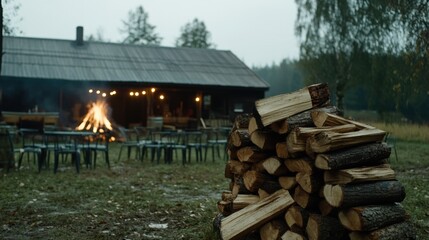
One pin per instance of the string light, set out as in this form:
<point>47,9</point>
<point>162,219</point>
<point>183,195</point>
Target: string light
<point>161,97</point>
<point>197,99</point>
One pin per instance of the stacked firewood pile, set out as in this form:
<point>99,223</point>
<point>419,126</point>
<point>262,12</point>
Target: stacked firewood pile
<point>298,170</point>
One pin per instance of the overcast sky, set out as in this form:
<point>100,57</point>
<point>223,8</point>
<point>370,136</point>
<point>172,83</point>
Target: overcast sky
<point>259,32</point>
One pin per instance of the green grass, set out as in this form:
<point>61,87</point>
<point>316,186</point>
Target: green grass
<point>126,201</point>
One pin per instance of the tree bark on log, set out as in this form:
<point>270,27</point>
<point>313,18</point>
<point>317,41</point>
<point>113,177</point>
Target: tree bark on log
<point>242,120</point>
<point>252,154</point>
<point>324,228</point>
<point>380,192</point>
<point>272,109</point>
<point>254,180</point>
<point>362,174</point>
<point>235,167</point>
<point>326,209</point>
<point>250,218</point>
<point>368,154</point>
<point>369,218</point>
<point>403,231</point>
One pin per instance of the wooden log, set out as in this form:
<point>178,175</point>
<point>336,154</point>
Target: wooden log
<point>254,180</point>
<point>368,154</point>
<point>252,154</point>
<point>295,144</point>
<point>253,125</point>
<point>240,138</point>
<point>303,164</point>
<point>232,153</point>
<point>361,174</point>
<point>322,119</point>
<point>326,209</point>
<point>289,235</point>
<point>235,167</point>
<point>265,139</point>
<point>238,186</point>
<point>275,166</point>
<point>380,192</point>
<point>324,228</point>
<point>225,207</point>
<point>273,229</point>
<point>330,141</point>
<point>262,193</point>
<point>305,132</point>
<point>281,150</point>
<point>305,199</point>
<point>250,218</point>
<point>287,182</point>
<point>302,119</point>
<point>272,109</point>
<point>310,182</point>
<point>403,231</point>
<point>369,218</point>
<point>296,217</point>
<point>242,120</point>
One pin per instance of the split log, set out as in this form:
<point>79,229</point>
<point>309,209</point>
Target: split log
<point>274,166</point>
<point>232,153</point>
<point>281,150</point>
<point>326,209</point>
<point>295,144</point>
<point>306,200</point>
<point>296,217</point>
<point>330,141</point>
<point>303,164</point>
<point>302,119</point>
<point>254,180</point>
<point>265,139</point>
<point>252,154</point>
<point>262,193</point>
<point>362,174</point>
<point>305,132</point>
<point>310,182</point>
<point>368,154</point>
<point>272,230</point>
<point>289,235</point>
<point>238,186</point>
<point>324,228</point>
<point>225,207</point>
<point>287,182</point>
<point>240,138</point>
<point>369,218</point>
<point>272,109</point>
<point>235,167</point>
<point>253,125</point>
<point>321,119</point>
<point>404,231</point>
<point>242,120</point>
<point>380,192</point>
<point>250,218</point>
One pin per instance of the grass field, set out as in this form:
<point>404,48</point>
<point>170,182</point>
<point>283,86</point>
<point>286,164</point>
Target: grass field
<point>144,200</point>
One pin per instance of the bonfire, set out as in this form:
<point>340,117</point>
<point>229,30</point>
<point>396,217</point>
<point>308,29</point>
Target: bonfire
<point>97,118</point>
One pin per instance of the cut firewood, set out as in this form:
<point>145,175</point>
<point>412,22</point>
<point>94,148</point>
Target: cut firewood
<point>326,209</point>
<point>330,141</point>
<point>362,174</point>
<point>324,228</point>
<point>265,139</point>
<point>281,150</point>
<point>254,180</point>
<point>287,182</point>
<point>369,218</point>
<point>235,167</point>
<point>302,119</point>
<point>250,218</point>
<point>252,154</point>
<point>295,144</point>
<point>296,217</point>
<point>380,192</point>
<point>240,138</point>
<point>289,235</point>
<point>303,164</point>
<point>262,193</point>
<point>238,186</point>
<point>310,182</point>
<point>305,132</point>
<point>322,119</point>
<point>225,207</point>
<point>274,166</point>
<point>403,230</point>
<point>273,229</point>
<point>253,125</point>
<point>305,199</point>
<point>368,154</point>
<point>232,153</point>
<point>242,120</point>
<point>272,109</point>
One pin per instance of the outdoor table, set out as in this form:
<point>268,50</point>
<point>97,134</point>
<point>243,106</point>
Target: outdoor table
<point>76,137</point>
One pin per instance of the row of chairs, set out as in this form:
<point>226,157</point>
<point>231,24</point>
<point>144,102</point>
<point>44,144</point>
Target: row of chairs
<point>146,141</point>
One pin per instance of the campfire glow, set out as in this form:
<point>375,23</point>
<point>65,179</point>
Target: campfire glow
<point>96,118</point>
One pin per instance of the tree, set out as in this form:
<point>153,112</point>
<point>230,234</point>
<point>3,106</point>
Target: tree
<point>138,29</point>
<point>9,17</point>
<point>195,35</point>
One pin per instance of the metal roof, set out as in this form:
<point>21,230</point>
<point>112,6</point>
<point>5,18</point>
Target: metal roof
<point>113,62</point>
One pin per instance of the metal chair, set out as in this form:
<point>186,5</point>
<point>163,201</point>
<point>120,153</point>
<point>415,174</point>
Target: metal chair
<point>129,140</point>
<point>7,157</point>
<point>216,139</point>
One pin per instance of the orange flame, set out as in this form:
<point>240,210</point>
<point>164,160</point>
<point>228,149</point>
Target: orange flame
<point>96,118</point>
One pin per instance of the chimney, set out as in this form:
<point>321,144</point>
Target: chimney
<point>79,35</point>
